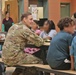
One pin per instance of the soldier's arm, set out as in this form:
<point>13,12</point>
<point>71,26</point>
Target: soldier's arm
<point>32,37</point>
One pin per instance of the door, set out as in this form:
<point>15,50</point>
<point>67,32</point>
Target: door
<point>65,10</point>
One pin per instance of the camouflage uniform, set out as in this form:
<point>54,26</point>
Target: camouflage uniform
<point>16,39</point>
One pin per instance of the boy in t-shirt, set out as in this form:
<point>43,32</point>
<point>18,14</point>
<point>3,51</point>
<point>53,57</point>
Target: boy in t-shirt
<point>58,53</point>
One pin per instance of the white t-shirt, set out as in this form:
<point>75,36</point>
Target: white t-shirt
<point>51,34</point>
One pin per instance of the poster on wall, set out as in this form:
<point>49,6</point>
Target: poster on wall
<point>34,11</point>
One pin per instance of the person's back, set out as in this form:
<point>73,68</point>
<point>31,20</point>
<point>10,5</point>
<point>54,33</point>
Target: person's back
<point>58,52</point>
<point>58,49</point>
<point>74,18</point>
<point>12,39</point>
<point>73,54</point>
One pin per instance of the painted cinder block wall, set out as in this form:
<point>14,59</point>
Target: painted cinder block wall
<point>73,6</point>
<point>54,9</point>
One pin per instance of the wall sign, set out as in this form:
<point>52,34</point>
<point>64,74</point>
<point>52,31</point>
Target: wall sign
<point>34,11</point>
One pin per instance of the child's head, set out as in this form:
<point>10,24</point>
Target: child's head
<point>35,25</point>
<point>48,25</point>
<point>66,24</point>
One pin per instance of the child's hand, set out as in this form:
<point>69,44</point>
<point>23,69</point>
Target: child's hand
<point>38,32</point>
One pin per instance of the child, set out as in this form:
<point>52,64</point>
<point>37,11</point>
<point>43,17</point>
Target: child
<point>49,30</point>
<point>35,27</point>
<point>74,18</point>
<point>73,54</point>
<point>58,53</point>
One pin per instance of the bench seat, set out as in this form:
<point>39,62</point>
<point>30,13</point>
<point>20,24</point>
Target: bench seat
<point>46,68</point>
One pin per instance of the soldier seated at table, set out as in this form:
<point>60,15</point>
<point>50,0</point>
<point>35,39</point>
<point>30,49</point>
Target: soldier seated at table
<point>17,38</point>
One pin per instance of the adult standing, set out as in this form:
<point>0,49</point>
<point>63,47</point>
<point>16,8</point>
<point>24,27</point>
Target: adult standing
<point>7,22</point>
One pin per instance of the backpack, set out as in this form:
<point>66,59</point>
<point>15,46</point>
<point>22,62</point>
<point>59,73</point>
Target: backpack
<point>2,68</point>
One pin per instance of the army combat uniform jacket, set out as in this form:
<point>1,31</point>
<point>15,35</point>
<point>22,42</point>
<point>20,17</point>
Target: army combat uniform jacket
<point>16,39</point>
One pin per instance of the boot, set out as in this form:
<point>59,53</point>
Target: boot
<point>17,71</point>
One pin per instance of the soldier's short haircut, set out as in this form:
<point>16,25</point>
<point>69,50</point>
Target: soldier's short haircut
<point>25,15</point>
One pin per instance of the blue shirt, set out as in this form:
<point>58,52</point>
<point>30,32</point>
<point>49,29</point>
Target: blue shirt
<point>59,49</point>
<point>73,50</point>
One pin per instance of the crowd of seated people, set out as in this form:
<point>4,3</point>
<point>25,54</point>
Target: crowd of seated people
<point>61,54</point>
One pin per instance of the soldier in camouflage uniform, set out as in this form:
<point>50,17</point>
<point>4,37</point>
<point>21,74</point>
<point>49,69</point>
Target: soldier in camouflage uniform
<point>16,39</point>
